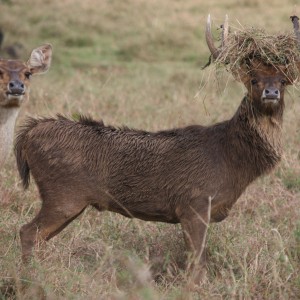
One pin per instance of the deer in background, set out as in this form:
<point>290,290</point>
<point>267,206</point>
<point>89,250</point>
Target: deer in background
<point>13,51</point>
<point>14,91</point>
<point>191,175</point>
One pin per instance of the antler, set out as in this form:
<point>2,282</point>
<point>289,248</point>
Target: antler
<point>215,52</point>
<point>295,21</point>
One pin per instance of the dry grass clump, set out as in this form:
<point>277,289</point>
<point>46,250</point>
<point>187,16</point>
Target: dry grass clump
<point>247,44</point>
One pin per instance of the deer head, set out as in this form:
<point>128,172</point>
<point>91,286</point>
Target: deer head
<point>14,90</point>
<point>265,82</point>
<point>15,76</point>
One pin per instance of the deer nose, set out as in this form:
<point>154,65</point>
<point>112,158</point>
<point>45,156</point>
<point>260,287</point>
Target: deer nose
<point>16,87</point>
<point>271,93</point>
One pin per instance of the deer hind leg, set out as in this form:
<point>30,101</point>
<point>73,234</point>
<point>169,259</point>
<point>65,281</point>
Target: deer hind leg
<point>49,222</point>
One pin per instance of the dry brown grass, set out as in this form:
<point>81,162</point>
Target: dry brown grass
<point>138,63</point>
<point>246,44</point>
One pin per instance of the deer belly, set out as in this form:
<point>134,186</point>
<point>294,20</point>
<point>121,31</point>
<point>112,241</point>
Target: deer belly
<point>144,212</point>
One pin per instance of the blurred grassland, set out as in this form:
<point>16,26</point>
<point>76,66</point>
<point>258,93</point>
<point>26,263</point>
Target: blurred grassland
<point>138,63</point>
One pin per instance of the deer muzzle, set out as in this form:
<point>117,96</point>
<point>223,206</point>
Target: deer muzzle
<point>270,95</point>
<point>16,88</point>
<point>15,92</point>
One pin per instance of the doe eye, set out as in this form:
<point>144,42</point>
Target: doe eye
<point>28,75</point>
<point>254,81</point>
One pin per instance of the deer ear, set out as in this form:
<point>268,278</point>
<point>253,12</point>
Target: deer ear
<point>40,59</point>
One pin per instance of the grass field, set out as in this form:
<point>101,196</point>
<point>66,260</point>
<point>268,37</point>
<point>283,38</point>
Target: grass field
<point>138,63</point>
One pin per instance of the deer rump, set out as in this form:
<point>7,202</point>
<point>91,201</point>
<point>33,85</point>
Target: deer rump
<point>151,176</point>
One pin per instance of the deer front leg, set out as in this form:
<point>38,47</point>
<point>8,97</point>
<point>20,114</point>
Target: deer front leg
<point>195,231</point>
<point>195,225</point>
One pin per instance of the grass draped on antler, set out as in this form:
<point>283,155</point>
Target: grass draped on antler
<point>253,43</point>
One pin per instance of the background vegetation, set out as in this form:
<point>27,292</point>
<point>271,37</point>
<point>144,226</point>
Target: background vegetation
<point>139,63</point>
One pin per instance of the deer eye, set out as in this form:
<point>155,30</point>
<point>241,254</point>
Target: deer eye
<point>1,74</point>
<point>28,75</point>
<point>283,82</point>
<point>254,81</point>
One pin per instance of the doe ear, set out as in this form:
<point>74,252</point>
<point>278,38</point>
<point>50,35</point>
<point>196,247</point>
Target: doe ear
<point>40,59</point>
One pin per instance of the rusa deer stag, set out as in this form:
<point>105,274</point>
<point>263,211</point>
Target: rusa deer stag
<point>191,175</point>
<point>14,91</point>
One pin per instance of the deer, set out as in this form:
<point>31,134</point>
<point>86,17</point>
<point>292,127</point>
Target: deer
<point>13,51</point>
<point>14,91</point>
<point>191,175</point>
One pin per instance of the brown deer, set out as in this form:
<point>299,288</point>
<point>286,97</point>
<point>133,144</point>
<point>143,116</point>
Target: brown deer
<point>13,51</point>
<point>191,175</point>
<point>14,91</point>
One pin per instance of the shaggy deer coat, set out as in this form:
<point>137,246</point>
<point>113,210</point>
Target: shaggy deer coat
<point>167,176</point>
<point>190,175</point>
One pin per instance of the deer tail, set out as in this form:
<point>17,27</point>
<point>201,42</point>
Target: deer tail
<point>20,150</point>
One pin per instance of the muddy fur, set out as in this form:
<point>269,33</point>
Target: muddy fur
<point>169,176</point>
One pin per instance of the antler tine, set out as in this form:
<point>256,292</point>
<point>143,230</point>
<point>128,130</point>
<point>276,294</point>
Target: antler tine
<point>225,31</point>
<point>295,21</point>
<point>209,39</point>
<point>215,52</point>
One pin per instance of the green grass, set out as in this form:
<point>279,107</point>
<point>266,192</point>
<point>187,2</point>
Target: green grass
<point>138,63</point>
<point>292,181</point>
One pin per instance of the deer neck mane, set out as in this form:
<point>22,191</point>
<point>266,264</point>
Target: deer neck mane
<point>256,139</point>
<point>267,127</point>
